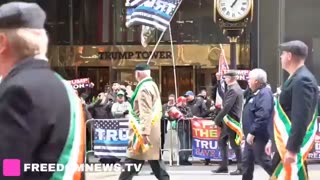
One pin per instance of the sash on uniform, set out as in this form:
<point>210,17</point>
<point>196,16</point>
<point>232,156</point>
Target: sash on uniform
<point>235,126</point>
<point>282,130</point>
<point>74,150</point>
<point>137,143</point>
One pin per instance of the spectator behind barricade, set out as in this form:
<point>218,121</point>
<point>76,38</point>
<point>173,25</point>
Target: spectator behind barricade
<point>207,100</point>
<point>115,89</point>
<point>103,109</point>
<point>197,105</point>
<point>210,109</point>
<point>183,107</point>
<point>126,88</point>
<point>85,106</point>
<point>120,109</point>
<point>165,117</point>
<point>129,92</point>
<point>210,104</point>
<point>180,113</point>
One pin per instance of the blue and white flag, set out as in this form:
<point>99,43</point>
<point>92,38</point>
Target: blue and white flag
<point>111,138</point>
<point>153,13</point>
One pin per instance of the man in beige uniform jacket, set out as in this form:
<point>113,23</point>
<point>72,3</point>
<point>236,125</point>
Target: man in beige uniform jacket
<point>145,119</point>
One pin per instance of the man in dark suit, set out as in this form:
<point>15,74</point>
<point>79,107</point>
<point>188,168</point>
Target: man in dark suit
<point>41,117</point>
<point>231,112</point>
<point>298,100</point>
<point>257,114</point>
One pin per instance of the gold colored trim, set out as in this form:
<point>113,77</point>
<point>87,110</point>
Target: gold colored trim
<point>160,79</point>
<point>233,39</point>
<point>237,19</point>
<point>215,11</point>
<point>225,30</point>
<point>252,11</point>
<point>132,68</point>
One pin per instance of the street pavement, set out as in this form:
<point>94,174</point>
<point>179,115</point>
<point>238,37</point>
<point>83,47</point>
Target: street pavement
<point>195,172</point>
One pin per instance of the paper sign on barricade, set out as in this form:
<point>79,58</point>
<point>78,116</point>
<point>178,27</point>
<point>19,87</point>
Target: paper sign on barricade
<point>205,136</point>
<point>111,137</point>
<point>315,153</point>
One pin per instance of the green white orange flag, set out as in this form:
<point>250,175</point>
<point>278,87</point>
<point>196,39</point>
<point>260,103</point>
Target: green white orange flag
<point>282,129</point>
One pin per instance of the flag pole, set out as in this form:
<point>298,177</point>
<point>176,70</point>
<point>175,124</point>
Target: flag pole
<point>155,47</point>
<point>173,63</point>
<point>162,34</point>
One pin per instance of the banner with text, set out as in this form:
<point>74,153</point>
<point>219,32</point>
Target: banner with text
<point>315,153</point>
<point>80,83</point>
<point>110,137</point>
<point>242,74</point>
<point>205,138</point>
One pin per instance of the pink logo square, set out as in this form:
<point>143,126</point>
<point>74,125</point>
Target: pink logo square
<point>11,167</point>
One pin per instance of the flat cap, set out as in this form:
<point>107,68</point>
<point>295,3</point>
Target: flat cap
<point>231,73</point>
<point>22,15</point>
<point>296,47</point>
<point>142,67</point>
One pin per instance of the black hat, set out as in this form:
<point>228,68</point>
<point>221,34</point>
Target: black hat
<point>142,67</point>
<point>231,73</point>
<point>296,47</point>
<point>22,15</point>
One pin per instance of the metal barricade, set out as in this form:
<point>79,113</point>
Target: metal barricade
<point>184,139</point>
<point>90,129</point>
<point>166,142</point>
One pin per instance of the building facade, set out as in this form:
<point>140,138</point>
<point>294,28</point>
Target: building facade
<point>284,20</point>
<point>89,39</point>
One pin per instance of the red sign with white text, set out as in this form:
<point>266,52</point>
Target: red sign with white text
<point>80,83</point>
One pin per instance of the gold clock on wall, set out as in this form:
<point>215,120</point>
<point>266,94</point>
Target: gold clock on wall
<point>233,10</point>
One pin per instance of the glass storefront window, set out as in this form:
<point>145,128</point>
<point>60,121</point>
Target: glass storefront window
<point>128,76</point>
<point>98,75</point>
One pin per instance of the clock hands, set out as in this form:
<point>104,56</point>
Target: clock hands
<point>234,3</point>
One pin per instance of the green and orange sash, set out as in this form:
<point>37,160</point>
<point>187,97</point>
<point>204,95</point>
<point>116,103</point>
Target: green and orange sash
<point>282,130</point>
<point>74,150</point>
<point>235,126</point>
<point>137,143</point>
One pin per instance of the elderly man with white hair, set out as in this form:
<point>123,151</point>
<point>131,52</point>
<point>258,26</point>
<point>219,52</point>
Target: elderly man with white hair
<point>257,115</point>
<point>41,117</point>
<point>144,131</point>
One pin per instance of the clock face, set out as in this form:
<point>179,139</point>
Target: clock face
<point>233,10</point>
